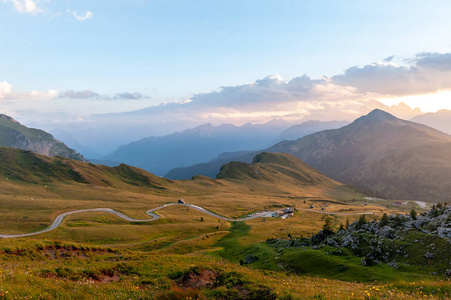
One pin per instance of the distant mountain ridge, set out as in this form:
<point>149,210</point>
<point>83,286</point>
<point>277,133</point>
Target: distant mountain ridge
<point>15,135</point>
<point>158,155</point>
<point>440,120</point>
<point>298,131</point>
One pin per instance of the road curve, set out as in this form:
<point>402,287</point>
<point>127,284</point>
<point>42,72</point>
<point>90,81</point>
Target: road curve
<point>59,219</point>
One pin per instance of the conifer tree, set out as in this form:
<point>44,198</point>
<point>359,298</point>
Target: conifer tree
<point>384,220</point>
<point>327,228</point>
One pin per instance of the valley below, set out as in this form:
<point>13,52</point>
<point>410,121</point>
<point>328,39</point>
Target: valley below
<point>233,238</point>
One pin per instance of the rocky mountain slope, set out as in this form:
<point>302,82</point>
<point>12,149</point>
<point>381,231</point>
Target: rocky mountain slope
<point>408,243</point>
<point>401,159</point>
<point>15,135</point>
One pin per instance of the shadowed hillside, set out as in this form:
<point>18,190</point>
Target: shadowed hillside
<point>24,166</point>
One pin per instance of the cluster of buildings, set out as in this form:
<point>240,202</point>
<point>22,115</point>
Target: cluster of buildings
<point>284,213</point>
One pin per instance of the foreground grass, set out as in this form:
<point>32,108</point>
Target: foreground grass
<point>54,270</point>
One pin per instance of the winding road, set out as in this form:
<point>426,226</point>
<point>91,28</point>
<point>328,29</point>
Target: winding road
<point>59,219</point>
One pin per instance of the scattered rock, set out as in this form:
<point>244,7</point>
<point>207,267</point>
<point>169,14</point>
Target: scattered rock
<point>251,258</point>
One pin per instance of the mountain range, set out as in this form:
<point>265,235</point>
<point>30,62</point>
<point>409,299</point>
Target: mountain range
<point>440,120</point>
<point>297,131</point>
<point>401,159</point>
<point>15,135</point>
<point>158,155</point>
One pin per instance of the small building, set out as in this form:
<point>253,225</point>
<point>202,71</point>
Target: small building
<point>181,201</point>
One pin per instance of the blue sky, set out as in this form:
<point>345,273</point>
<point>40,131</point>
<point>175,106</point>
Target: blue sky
<point>62,61</point>
<point>173,49</point>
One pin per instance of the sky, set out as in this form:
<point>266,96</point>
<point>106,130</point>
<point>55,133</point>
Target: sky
<point>71,64</point>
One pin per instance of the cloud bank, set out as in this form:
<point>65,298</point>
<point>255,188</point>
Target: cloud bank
<point>345,96</point>
<point>88,94</point>
<point>7,93</point>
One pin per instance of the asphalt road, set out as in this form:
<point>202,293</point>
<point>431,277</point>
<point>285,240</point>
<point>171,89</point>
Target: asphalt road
<point>154,216</point>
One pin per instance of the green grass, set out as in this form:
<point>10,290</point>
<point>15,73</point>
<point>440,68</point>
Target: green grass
<point>56,270</point>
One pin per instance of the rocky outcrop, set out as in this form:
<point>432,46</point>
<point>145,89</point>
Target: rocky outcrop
<point>15,135</point>
<point>395,240</point>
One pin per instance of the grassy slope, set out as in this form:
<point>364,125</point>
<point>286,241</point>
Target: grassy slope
<point>28,207</point>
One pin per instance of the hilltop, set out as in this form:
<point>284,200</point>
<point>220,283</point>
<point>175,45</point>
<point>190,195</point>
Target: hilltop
<point>15,135</point>
<point>275,168</point>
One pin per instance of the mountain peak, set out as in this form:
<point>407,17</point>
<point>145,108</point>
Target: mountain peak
<point>5,117</point>
<point>379,115</point>
<point>375,116</point>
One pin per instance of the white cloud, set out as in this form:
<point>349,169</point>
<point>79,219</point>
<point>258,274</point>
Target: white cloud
<point>425,73</point>
<point>25,6</point>
<point>81,18</point>
<point>5,89</point>
<point>7,93</point>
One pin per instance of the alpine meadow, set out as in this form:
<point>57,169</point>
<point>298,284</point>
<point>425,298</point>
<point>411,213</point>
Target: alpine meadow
<point>225,149</point>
